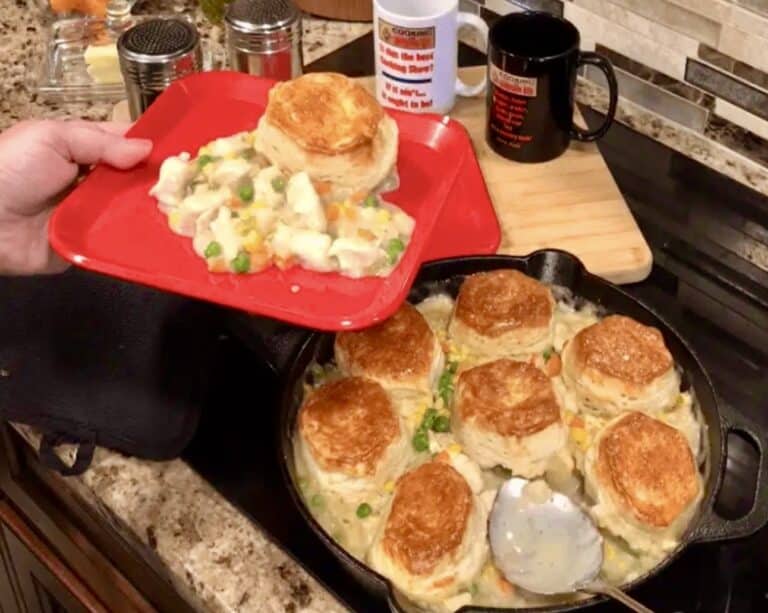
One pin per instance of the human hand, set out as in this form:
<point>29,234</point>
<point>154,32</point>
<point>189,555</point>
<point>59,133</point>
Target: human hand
<point>39,161</point>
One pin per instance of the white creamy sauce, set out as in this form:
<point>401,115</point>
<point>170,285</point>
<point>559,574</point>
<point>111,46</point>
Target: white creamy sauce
<point>620,564</point>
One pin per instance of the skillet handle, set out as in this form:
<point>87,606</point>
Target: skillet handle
<point>274,342</point>
<point>712,527</point>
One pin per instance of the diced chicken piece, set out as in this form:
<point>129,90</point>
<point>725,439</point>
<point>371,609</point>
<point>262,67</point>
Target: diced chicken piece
<point>175,174</point>
<point>356,256</point>
<point>224,233</point>
<point>454,603</point>
<point>304,203</point>
<point>228,146</point>
<point>229,172</point>
<point>264,191</point>
<point>204,198</point>
<point>310,247</point>
<point>402,222</point>
<point>265,219</point>
<point>203,233</point>
<point>469,470</point>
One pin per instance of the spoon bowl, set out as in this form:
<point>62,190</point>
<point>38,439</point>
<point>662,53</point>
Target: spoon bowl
<point>543,542</point>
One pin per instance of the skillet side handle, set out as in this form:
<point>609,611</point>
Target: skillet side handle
<point>712,527</point>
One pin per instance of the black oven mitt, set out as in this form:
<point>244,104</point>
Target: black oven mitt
<point>93,361</point>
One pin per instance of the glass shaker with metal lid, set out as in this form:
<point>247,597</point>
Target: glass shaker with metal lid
<point>264,38</point>
<point>153,54</point>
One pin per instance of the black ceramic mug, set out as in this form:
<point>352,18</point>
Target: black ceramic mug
<point>532,62</point>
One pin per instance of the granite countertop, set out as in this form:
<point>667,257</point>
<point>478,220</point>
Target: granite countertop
<point>213,555</point>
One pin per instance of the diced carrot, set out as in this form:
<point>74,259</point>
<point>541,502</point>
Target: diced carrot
<point>577,422</point>
<point>322,187</point>
<point>260,260</point>
<point>218,266</point>
<point>554,365</point>
<point>285,263</point>
<point>332,211</point>
<point>505,586</point>
<point>350,212</point>
<point>235,203</point>
<point>444,582</point>
<point>366,234</point>
<point>358,197</point>
<point>443,457</point>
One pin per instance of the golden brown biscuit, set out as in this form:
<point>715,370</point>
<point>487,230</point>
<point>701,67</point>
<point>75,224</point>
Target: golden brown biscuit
<point>619,364</point>
<point>506,413</point>
<point>623,348</point>
<point>401,353</point>
<point>325,112</point>
<point>348,426</point>
<point>649,467</point>
<point>429,513</point>
<point>508,397</point>
<point>502,313</point>
<point>643,478</point>
<point>330,127</point>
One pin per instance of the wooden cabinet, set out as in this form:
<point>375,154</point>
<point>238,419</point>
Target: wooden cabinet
<point>57,555</point>
<point>43,583</point>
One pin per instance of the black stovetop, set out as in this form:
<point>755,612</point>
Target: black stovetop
<point>709,237</point>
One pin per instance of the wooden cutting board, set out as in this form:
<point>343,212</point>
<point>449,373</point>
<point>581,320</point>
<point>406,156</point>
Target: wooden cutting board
<point>571,203</point>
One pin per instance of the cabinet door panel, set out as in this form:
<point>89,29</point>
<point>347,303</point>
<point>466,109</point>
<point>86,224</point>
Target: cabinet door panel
<point>45,584</point>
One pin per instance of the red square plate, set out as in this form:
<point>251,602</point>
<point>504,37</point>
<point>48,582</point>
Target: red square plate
<point>111,225</point>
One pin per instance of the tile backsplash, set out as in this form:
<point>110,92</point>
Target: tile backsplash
<point>702,64</point>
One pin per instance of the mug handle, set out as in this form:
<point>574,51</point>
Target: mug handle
<point>477,23</point>
<point>594,59</point>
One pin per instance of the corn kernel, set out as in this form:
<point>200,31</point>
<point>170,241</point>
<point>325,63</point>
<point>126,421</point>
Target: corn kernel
<point>231,155</point>
<point>250,137</point>
<point>454,449</point>
<point>580,437</point>
<point>383,216</point>
<point>389,487</point>
<point>608,551</point>
<point>174,218</point>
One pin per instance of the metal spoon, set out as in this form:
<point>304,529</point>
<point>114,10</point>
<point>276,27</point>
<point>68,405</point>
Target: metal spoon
<point>544,543</point>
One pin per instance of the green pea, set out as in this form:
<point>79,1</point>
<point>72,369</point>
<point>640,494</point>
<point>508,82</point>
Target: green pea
<point>212,250</point>
<point>371,201</point>
<point>473,589</point>
<point>242,263</point>
<point>442,424</point>
<point>453,367</point>
<point>420,441</point>
<point>278,184</point>
<point>547,353</point>
<point>302,483</point>
<point>428,419</point>
<point>246,192</point>
<point>317,501</point>
<point>394,248</point>
<point>203,160</point>
<point>364,510</point>
<point>318,373</point>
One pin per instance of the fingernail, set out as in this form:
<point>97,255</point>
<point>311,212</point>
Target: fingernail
<point>142,144</point>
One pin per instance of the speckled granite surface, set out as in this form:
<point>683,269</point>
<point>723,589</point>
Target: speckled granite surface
<point>214,556</point>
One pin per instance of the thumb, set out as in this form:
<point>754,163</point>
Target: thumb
<point>82,143</point>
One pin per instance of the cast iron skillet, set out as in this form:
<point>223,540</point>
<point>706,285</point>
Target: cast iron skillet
<point>563,269</point>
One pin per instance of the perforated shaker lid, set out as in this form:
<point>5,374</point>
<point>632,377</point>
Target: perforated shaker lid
<point>157,40</point>
<point>261,16</point>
